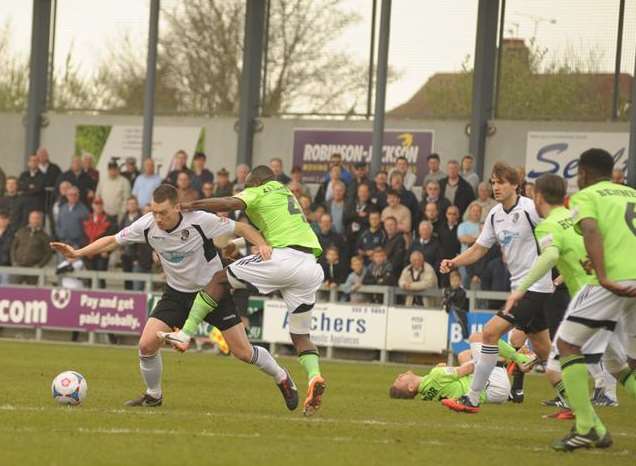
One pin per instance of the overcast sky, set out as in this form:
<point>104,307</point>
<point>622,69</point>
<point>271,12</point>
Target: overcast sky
<point>427,36</point>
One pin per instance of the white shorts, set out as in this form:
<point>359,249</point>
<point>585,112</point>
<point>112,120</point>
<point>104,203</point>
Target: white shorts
<point>498,386</point>
<point>295,274</point>
<point>592,317</point>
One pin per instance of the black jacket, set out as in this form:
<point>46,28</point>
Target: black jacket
<point>5,246</point>
<point>395,249</point>
<point>334,273</point>
<point>432,251</point>
<point>464,195</point>
<point>32,190</point>
<point>83,182</point>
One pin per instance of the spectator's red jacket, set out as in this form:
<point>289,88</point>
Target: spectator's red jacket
<point>97,226</point>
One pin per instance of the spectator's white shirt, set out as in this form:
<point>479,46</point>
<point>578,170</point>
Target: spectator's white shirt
<point>114,192</point>
<point>188,255</point>
<point>513,230</point>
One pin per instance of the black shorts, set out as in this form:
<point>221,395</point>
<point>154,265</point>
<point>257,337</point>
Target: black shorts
<point>529,315</point>
<point>555,309</point>
<point>174,306</point>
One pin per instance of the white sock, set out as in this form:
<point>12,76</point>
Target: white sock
<point>151,368</point>
<point>487,362</point>
<point>263,359</point>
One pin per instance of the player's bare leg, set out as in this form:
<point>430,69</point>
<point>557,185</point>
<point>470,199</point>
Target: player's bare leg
<point>150,364</point>
<point>309,357</point>
<point>242,349</point>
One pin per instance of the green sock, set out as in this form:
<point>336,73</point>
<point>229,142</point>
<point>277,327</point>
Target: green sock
<point>203,304</point>
<point>310,362</point>
<point>507,352</point>
<point>578,393</point>
<point>627,377</point>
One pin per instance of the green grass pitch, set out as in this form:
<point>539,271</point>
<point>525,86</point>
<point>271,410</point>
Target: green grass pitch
<point>220,411</point>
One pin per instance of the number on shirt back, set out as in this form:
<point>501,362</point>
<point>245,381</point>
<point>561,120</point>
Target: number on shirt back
<point>630,216</point>
<point>294,208</point>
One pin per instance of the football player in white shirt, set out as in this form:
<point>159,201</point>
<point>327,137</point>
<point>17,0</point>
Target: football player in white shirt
<point>510,224</point>
<point>183,242</point>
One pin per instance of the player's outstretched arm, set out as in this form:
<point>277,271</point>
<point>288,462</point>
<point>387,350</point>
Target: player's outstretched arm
<point>469,256</point>
<point>218,204</point>
<point>104,244</point>
<point>252,235</point>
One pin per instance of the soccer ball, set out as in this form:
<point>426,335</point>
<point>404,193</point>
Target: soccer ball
<point>69,388</point>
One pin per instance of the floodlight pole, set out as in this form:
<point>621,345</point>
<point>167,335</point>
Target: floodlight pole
<point>483,80</point>
<point>38,74</point>
<point>151,79</point>
<point>380,86</point>
<point>250,78</point>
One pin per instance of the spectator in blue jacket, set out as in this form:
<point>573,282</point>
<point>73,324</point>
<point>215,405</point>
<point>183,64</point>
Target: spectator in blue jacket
<point>70,220</point>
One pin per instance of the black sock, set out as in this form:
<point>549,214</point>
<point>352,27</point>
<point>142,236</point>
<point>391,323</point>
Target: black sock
<point>517,378</point>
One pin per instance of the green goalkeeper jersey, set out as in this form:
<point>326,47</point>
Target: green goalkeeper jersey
<point>443,382</point>
<point>557,230</point>
<point>274,210</point>
<point>613,206</point>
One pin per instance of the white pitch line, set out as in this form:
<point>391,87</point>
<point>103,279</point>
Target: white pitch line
<point>268,417</point>
<point>295,438</point>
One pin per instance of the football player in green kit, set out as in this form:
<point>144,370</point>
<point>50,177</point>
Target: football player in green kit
<point>292,270</point>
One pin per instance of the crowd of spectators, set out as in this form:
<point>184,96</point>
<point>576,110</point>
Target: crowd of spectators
<point>381,231</point>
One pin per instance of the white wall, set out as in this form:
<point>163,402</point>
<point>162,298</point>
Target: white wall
<point>275,140</point>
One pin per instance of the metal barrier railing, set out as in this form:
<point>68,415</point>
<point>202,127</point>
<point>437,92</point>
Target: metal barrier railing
<point>48,276</point>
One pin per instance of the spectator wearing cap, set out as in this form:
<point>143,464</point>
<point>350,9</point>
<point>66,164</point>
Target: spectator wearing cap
<point>130,170</point>
<point>427,244</point>
<point>395,245</point>
<point>371,238</point>
<point>468,174</point>
<point>242,171</point>
<point>360,176</point>
<point>417,276</point>
<point>179,164</point>
<point>276,165</point>
<point>485,201</point>
<point>223,186</point>
<point>379,189</point>
<point>6,238</point>
<point>88,167</point>
<point>185,191</point>
<point>11,202</point>
<point>336,161</point>
<point>30,246</point>
<point>408,177</point>
<point>325,191</point>
<point>31,186</point>
<point>113,190</point>
<point>407,198</point>
<point>146,183</point>
<point>200,174</point>
<point>297,180</point>
<point>97,225</point>
<point>400,213</point>
<point>70,221</point>
<point>456,189</point>
<point>80,178</point>
<point>434,172</point>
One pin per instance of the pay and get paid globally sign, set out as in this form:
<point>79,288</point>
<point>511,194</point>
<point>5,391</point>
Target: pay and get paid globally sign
<point>314,147</point>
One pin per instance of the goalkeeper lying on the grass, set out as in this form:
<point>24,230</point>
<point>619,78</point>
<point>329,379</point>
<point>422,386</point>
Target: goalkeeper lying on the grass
<point>453,382</point>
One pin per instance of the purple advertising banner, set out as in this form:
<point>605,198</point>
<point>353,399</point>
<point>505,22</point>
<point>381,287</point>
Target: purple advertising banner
<point>60,308</point>
<point>313,148</point>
